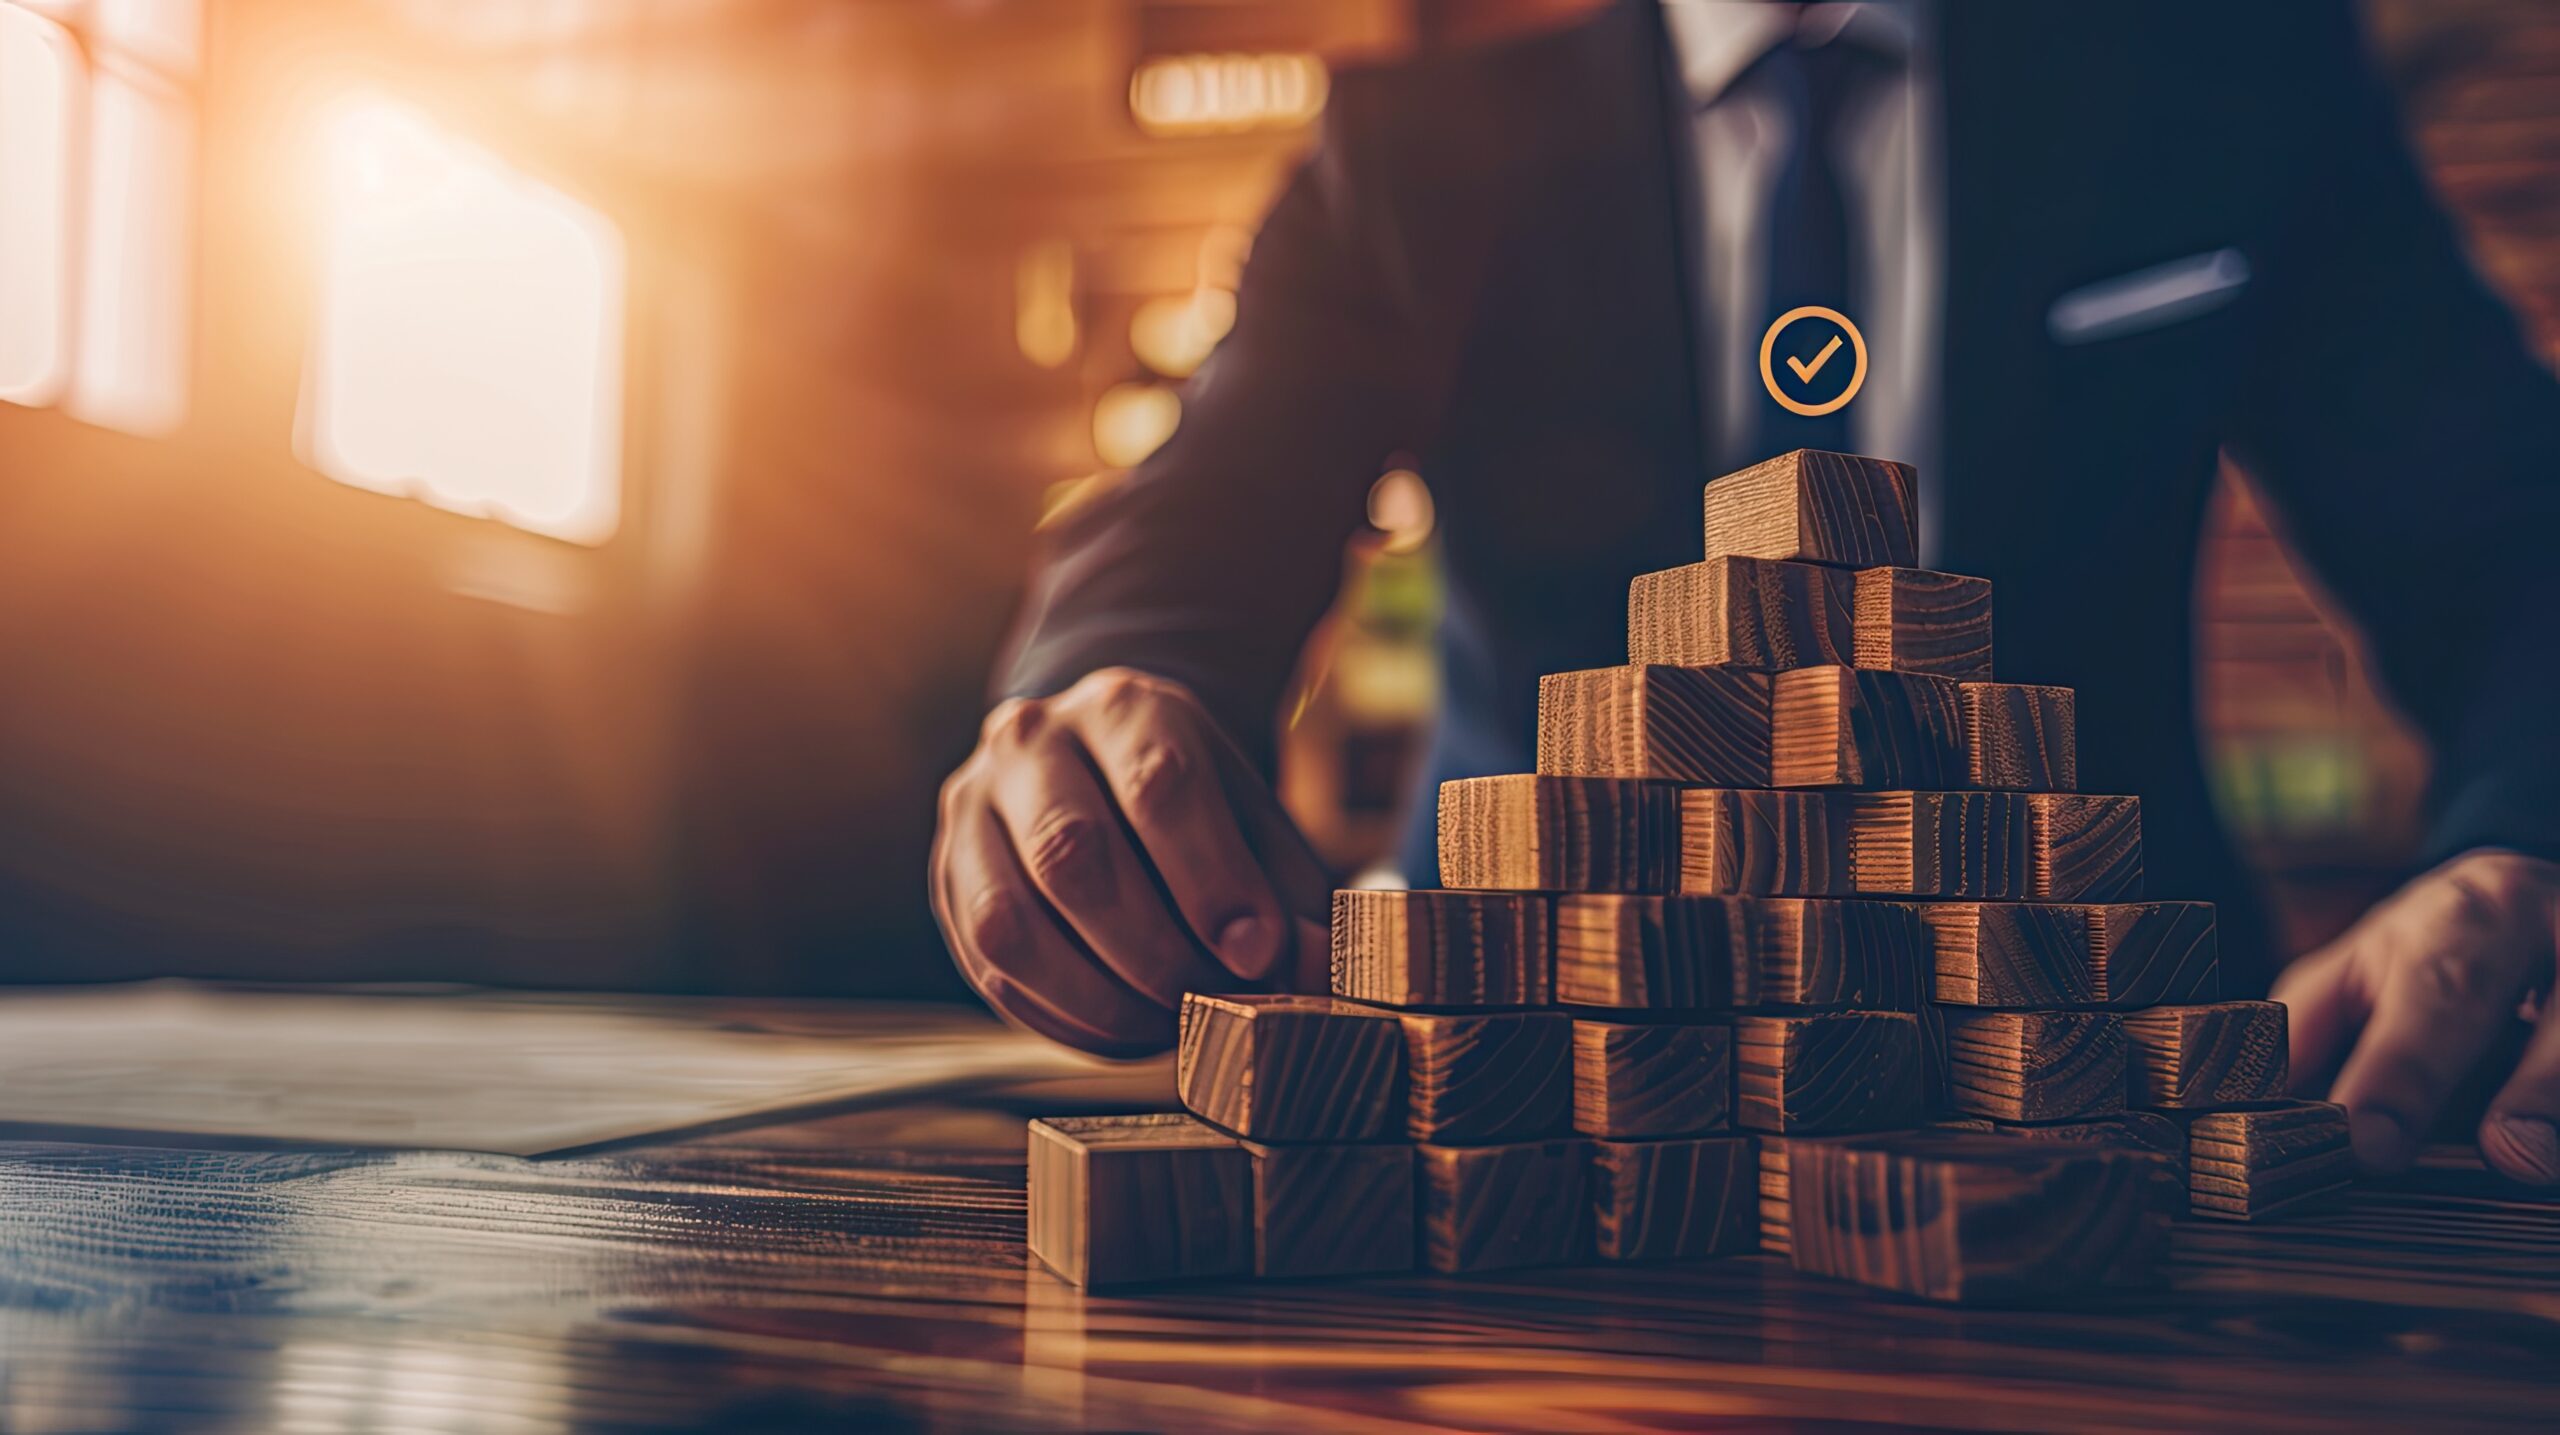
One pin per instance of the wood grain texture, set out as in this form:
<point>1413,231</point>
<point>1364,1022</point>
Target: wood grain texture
<point>1657,953</point>
<point>1817,507</point>
<point>1819,952</point>
<point>1978,845</point>
<point>1121,1200</point>
<point>1950,1217</point>
<point>1828,1072</point>
<point>1708,725</point>
<point>1635,1080</point>
<point>1335,1210</point>
<point>1773,1186</point>
<point>2147,1131</point>
<point>1443,949</point>
<point>2083,848</point>
<point>2035,1065</point>
<point>1290,1068</point>
<point>1772,1190</point>
<point>1505,1076</point>
<point>1911,620</point>
<point>2251,1164</point>
<point>1778,844</point>
<point>868,1271</point>
<point>1937,1063</point>
<point>2194,1058</point>
<point>2010,954</point>
<point>1558,834</point>
<point>1741,613</point>
<point>2018,735</point>
<point>1849,727</point>
<point>1490,1208</point>
<point>2154,953</point>
<point>1677,1200</point>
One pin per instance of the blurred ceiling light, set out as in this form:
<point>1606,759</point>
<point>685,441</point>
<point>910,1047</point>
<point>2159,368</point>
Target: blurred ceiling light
<point>1174,334</point>
<point>40,86</point>
<point>1226,94</point>
<point>1044,303</point>
<point>97,141</point>
<point>1400,507</point>
<point>468,345</point>
<point>1131,421</point>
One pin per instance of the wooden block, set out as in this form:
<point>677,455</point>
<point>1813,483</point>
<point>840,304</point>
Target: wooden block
<point>1741,613</point>
<point>1777,844</point>
<point>1815,952</point>
<point>1828,1071</point>
<point>1910,620</point>
<point>2194,1058</point>
<point>1495,1207</point>
<point>1977,845</point>
<point>1848,727</point>
<point>2242,1165</point>
<point>1679,1200</point>
<point>2035,1065</point>
<point>1332,1210</point>
<point>1950,1217</point>
<point>1117,1200</point>
<point>2153,953</point>
<point>1657,953</point>
<point>2020,736</point>
<point>1707,725</point>
<point>2083,848</point>
<point>1558,834</point>
<point>2147,1131</point>
<point>1443,949</point>
<point>1290,1068</point>
<point>2010,954</point>
<point>1638,1080</point>
<point>1503,1076</point>
<point>1817,507</point>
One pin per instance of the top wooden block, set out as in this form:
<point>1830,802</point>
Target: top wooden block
<point>1816,507</point>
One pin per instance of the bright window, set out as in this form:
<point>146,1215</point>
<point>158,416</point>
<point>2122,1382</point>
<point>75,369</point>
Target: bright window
<point>97,139</point>
<point>468,348</point>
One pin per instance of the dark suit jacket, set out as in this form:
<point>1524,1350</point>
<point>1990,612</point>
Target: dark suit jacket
<point>1483,265</point>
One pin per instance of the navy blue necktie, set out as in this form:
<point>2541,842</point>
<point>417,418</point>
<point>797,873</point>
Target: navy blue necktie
<point>1808,228</point>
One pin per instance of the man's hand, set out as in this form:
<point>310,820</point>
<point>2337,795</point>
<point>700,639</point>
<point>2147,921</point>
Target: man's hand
<point>2419,989</point>
<point>1108,849</point>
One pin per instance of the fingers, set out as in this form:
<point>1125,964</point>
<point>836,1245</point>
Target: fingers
<point>2520,1135</point>
<point>2449,975</point>
<point>1067,836</point>
<point>2325,1006</point>
<point>1014,951</point>
<point>1156,754</point>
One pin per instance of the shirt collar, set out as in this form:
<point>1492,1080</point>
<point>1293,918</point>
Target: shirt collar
<point>1717,40</point>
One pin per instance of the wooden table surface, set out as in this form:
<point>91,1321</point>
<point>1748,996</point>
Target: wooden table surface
<point>867,1272</point>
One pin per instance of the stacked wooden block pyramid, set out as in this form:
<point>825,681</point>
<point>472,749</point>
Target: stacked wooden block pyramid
<point>1801,938</point>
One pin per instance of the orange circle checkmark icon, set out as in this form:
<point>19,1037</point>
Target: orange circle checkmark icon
<point>1824,339</point>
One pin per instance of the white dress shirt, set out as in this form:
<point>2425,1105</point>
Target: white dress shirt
<point>1890,173</point>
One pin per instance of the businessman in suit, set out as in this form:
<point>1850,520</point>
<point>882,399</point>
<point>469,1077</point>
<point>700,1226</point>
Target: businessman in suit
<point>2090,246</point>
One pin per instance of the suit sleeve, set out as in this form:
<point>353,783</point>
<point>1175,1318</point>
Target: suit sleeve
<point>1211,561</point>
<point>2411,440</point>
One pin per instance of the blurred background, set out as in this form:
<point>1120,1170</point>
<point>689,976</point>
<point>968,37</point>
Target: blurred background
<point>528,491</point>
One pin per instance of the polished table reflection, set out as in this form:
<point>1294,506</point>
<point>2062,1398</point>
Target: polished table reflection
<point>866,1271</point>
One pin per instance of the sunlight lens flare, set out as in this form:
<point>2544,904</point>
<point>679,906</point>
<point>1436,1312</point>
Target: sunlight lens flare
<point>468,348</point>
